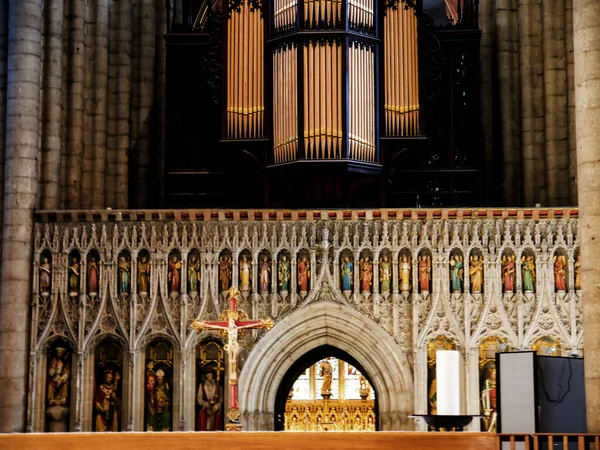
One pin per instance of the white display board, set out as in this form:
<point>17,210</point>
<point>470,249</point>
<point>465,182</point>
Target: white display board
<point>447,372</point>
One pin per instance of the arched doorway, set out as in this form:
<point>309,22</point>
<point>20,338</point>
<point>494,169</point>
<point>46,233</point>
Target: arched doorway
<point>336,325</point>
<point>338,405</point>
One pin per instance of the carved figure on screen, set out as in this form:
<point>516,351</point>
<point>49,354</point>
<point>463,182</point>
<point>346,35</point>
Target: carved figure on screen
<point>347,270</point>
<point>174,275</point>
<point>58,388</point>
<point>225,272</point>
<point>143,269</point>
<point>432,397</point>
<point>476,273</point>
<point>124,275</point>
<point>303,274</point>
<point>245,268</point>
<point>404,272</point>
<point>528,271</point>
<point>45,276</point>
<point>106,403</point>
<point>326,370</point>
<point>424,272</point>
<point>158,417</point>
<point>210,399</point>
<point>560,270</point>
<point>365,388</point>
<point>578,273</point>
<point>92,276</point>
<point>265,274</point>
<point>366,274</point>
<point>508,272</point>
<point>488,399</point>
<point>74,276</point>
<point>194,273</point>
<point>456,273</point>
<point>284,274</point>
<point>385,274</point>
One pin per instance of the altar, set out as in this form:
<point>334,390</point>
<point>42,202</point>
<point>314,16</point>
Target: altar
<point>251,441</point>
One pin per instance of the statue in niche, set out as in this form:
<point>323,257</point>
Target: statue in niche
<point>560,270</point>
<point>404,272</point>
<point>303,273</point>
<point>366,274</point>
<point>245,268</point>
<point>210,399</point>
<point>476,273</point>
<point>194,273</point>
<point>508,272</point>
<point>578,273</point>
<point>424,272</point>
<point>284,274</point>
<point>158,417</point>
<point>106,403</point>
<point>432,397</point>
<point>92,276</point>
<point>326,370</point>
<point>488,399</point>
<point>174,275</point>
<point>45,276</point>
<point>124,274</point>
<point>347,270</point>
<point>456,273</point>
<point>143,269</point>
<point>57,396</point>
<point>528,271</point>
<point>265,275</point>
<point>74,275</point>
<point>385,274</point>
<point>225,272</point>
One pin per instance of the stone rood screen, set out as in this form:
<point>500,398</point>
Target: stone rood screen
<point>465,278</point>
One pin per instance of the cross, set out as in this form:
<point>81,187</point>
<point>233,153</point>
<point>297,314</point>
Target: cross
<point>230,321</point>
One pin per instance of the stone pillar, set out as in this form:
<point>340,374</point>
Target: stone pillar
<point>586,18</point>
<point>21,187</point>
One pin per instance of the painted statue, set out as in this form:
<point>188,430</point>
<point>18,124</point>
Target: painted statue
<point>578,273</point>
<point>560,270</point>
<point>528,272</point>
<point>74,276</point>
<point>124,275</point>
<point>283,274</point>
<point>210,400</point>
<point>424,272</point>
<point>303,273</point>
<point>508,272</point>
<point>488,399</point>
<point>366,274</point>
<point>432,397</point>
<point>456,273</point>
<point>245,268</point>
<point>106,403</point>
<point>225,272</point>
<point>385,274</point>
<point>57,396</point>
<point>194,273</point>
<point>326,370</point>
<point>265,274</point>
<point>476,273</point>
<point>45,276</point>
<point>347,270</point>
<point>174,274</point>
<point>143,269</point>
<point>404,273</point>
<point>158,402</point>
<point>92,276</point>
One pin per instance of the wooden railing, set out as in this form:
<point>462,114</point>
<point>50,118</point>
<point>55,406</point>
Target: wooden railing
<point>548,441</point>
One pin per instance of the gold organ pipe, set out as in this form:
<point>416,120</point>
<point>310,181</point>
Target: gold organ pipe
<point>229,78</point>
<point>252,73</point>
<point>311,98</point>
<point>386,68</point>
<point>305,105</point>
<point>323,90</point>
<point>339,99</point>
<point>409,66</point>
<point>351,102</point>
<point>372,104</point>
<point>395,72</point>
<point>416,75</point>
<point>328,102</point>
<point>332,78</point>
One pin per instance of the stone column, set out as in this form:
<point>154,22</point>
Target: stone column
<point>21,186</point>
<point>586,18</point>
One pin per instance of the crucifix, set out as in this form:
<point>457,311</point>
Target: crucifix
<point>230,321</point>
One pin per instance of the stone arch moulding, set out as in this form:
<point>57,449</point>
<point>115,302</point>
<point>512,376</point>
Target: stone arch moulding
<point>326,323</point>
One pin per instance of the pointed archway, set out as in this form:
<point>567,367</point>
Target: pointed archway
<point>326,324</point>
